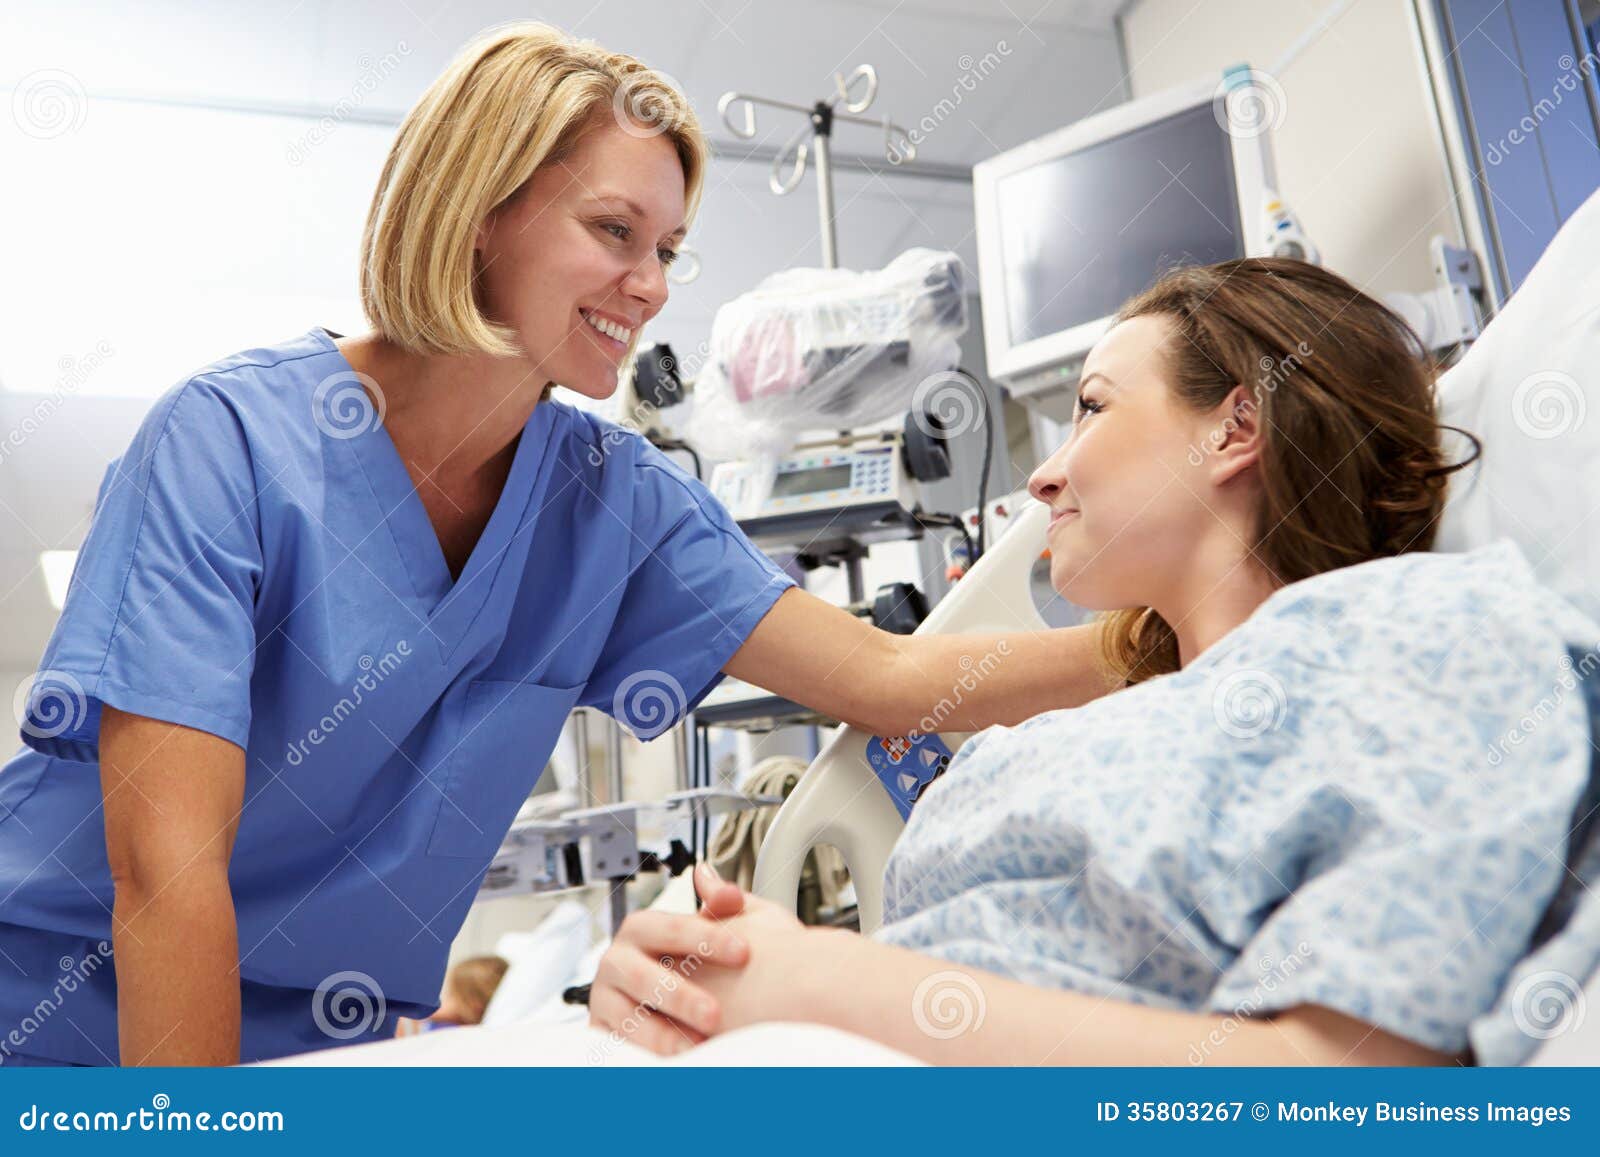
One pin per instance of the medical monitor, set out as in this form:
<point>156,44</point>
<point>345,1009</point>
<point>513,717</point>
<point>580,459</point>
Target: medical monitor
<point>1074,223</point>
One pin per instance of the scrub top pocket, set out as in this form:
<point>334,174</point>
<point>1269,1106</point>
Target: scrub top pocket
<point>508,730</point>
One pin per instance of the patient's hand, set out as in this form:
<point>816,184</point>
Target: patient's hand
<point>781,954</point>
<point>651,986</point>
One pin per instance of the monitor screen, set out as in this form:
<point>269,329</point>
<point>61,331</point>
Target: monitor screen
<point>792,483</point>
<point>1080,234</point>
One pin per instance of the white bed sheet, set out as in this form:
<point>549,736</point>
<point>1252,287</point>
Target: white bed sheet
<point>579,1046</point>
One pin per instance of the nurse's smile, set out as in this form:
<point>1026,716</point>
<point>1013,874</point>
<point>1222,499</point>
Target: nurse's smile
<point>318,654</point>
<point>610,331</point>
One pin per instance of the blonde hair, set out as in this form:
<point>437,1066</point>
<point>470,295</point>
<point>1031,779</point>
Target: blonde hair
<point>473,982</point>
<point>520,97</point>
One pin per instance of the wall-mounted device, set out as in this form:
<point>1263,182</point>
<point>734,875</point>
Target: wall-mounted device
<point>1074,223</point>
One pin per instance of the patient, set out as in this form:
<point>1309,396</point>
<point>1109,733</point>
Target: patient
<point>1312,824</point>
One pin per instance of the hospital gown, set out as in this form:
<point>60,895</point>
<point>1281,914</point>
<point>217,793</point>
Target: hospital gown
<point>1358,798</point>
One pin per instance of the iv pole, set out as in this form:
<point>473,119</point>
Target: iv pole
<point>898,148</point>
<point>897,144</point>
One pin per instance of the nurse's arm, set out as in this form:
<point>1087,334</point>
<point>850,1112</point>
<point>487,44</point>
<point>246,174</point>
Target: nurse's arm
<point>172,802</point>
<point>812,652</point>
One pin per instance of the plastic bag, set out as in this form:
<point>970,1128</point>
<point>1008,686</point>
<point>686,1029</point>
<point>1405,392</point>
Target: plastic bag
<point>826,349</point>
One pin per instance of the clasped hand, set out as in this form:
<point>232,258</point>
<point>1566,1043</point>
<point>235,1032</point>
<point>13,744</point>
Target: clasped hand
<point>670,981</point>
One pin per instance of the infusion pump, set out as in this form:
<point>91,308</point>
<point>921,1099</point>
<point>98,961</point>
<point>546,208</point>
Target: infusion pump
<point>842,485</point>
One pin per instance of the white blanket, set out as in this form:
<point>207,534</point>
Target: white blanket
<point>578,1046</point>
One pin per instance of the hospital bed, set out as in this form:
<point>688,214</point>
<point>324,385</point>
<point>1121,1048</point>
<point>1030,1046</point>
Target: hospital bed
<point>1525,389</point>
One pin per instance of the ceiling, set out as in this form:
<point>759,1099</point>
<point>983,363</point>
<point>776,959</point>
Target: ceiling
<point>976,77</point>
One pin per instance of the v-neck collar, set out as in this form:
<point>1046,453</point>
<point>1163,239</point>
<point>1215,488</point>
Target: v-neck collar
<point>449,604</point>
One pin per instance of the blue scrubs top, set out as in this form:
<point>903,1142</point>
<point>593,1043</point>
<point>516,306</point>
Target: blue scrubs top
<point>260,567</point>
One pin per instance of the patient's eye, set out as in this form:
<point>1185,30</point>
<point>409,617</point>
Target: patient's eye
<point>1085,406</point>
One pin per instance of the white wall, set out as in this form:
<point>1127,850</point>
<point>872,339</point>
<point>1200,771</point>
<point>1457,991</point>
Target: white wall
<point>1357,150</point>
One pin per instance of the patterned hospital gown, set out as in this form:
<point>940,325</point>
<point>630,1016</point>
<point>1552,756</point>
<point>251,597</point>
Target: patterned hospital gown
<point>1358,798</point>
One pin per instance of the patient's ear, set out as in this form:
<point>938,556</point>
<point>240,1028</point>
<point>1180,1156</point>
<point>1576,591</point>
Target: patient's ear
<point>1235,438</point>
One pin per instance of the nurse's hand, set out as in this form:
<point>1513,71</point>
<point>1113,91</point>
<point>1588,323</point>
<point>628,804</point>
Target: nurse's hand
<point>644,989</point>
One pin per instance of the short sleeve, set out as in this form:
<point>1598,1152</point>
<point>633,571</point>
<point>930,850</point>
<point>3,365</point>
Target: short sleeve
<point>159,616</point>
<point>699,588</point>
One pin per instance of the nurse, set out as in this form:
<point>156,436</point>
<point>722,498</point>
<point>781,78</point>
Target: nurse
<point>340,595</point>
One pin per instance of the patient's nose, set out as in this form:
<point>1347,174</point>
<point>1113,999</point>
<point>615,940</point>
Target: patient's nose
<point>1048,480</point>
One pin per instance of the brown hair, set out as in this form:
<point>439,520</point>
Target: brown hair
<point>1351,467</point>
<point>474,980</point>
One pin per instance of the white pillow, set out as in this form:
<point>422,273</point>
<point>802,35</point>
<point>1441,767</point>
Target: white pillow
<point>541,963</point>
<point>1529,388</point>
